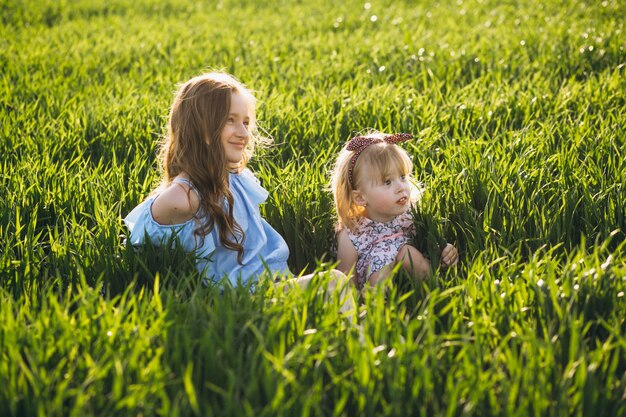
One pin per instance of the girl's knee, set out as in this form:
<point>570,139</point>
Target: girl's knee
<point>337,279</point>
<point>413,260</point>
<point>402,253</point>
<point>409,253</point>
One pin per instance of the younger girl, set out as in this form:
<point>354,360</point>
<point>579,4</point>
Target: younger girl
<point>373,194</point>
<point>208,200</point>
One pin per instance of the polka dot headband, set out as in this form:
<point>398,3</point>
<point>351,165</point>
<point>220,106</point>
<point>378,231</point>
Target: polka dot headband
<point>359,143</point>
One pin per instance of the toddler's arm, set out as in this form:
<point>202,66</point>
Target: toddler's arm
<point>346,254</point>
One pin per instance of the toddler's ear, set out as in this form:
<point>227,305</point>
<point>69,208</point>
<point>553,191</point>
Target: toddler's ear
<point>358,198</point>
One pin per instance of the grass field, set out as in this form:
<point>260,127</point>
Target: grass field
<point>519,108</point>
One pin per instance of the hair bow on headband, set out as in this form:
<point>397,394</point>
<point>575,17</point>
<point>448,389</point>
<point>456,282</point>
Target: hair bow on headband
<point>359,143</point>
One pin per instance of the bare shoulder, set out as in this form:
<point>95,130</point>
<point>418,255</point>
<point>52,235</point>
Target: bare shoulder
<point>176,204</point>
<point>342,235</point>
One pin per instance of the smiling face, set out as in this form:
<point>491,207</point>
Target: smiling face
<point>235,135</point>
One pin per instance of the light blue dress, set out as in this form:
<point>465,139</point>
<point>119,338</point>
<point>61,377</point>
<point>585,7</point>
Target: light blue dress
<point>263,248</point>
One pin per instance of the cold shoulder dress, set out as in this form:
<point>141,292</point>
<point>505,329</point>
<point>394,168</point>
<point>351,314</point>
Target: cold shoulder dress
<point>263,248</point>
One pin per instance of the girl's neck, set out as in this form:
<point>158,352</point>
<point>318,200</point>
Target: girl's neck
<point>379,218</point>
<point>184,175</point>
<point>233,168</point>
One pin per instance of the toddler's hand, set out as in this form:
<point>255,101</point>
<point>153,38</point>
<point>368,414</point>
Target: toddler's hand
<point>449,256</point>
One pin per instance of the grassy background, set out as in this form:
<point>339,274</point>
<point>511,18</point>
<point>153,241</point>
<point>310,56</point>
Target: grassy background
<point>518,108</point>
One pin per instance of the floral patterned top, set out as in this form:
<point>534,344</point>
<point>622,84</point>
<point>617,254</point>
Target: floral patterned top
<point>377,244</point>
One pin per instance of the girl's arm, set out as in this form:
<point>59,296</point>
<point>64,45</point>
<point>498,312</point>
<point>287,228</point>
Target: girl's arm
<point>346,254</point>
<point>175,205</point>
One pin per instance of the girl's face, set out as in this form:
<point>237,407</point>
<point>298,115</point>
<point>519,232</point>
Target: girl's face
<point>235,135</point>
<point>386,200</point>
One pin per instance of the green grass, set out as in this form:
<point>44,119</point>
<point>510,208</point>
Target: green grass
<point>518,108</point>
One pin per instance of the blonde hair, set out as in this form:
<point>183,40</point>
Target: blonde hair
<point>376,162</point>
<point>192,145</point>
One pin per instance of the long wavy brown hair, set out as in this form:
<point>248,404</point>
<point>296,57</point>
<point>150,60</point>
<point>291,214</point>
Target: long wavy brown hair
<point>193,146</point>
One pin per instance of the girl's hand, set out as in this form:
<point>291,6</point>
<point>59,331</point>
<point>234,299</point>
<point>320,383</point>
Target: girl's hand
<point>449,256</point>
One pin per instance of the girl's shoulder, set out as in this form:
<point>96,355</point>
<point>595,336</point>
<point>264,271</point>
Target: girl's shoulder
<point>356,231</point>
<point>176,203</point>
<point>342,232</point>
<point>246,183</point>
<point>246,178</point>
<point>362,225</point>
